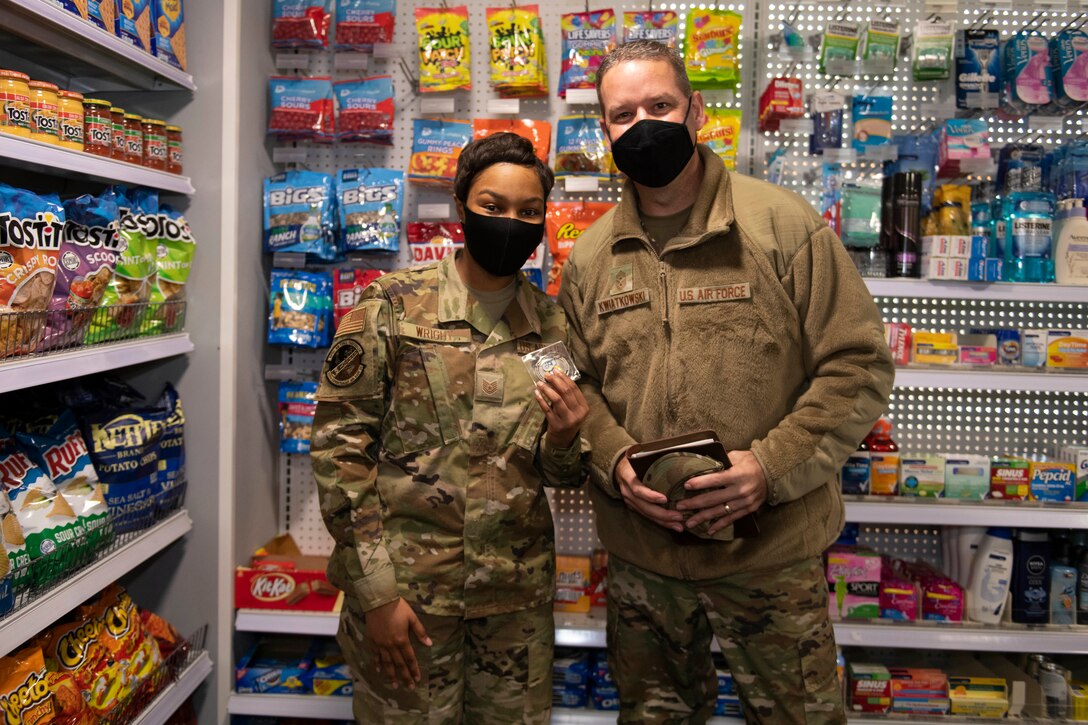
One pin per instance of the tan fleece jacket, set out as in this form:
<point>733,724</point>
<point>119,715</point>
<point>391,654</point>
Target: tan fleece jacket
<point>753,322</point>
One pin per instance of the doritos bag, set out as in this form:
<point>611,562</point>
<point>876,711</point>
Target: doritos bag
<point>174,252</point>
<point>135,270</point>
<point>566,221</point>
<point>31,232</point>
<point>25,698</point>
<point>444,58</point>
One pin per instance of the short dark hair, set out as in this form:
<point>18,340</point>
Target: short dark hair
<point>498,148</point>
<point>644,50</point>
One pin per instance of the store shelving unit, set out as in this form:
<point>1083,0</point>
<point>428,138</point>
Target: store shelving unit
<point>50,368</point>
<point>1004,291</point>
<point>22,153</point>
<point>1019,380</point>
<point>564,716</point>
<point>176,693</point>
<point>24,623</point>
<point>948,512</point>
<point>307,706</point>
<point>316,624</point>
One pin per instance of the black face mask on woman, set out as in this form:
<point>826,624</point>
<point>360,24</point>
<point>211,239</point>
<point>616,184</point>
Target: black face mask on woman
<point>500,245</point>
<point>652,152</point>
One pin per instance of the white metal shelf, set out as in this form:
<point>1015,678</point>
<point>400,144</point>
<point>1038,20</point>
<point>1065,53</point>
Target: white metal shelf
<point>61,31</point>
<point>314,707</point>
<point>39,370</point>
<point>315,624</point>
<point>1005,291</point>
<point>23,624</point>
<point>23,153</point>
<point>948,512</point>
<point>995,379</point>
<point>174,695</point>
<point>572,716</point>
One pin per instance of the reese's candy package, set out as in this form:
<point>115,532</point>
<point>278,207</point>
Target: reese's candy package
<point>171,469</point>
<point>565,223</point>
<point>587,39</point>
<point>370,202</point>
<point>302,108</point>
<point>444,52</point>
<point>25,698</point>
<point>298,213</point>
<point>299,308</point>
<point>519,67</point>
<point>297,406</point>
<point>362,23</point>
<point>89,252</point>
<point>62,454</point>
<point>301,23</point>
<point>347,289</point>
<point>581,148</point>
<point>175,248</point>
<point>135,269</point>
<point>31,232</point>
<point>538,132</point>
<point>50,526</point>
<point>431,241</point>
<point>435,147</point>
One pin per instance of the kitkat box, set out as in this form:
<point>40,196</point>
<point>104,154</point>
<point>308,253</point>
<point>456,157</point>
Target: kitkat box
<point>280,577</point>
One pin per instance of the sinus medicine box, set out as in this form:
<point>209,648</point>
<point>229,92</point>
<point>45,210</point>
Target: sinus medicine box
<point>869,687</point>
<point>1010,478</point>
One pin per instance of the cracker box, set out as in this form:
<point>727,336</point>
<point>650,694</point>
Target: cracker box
<point>869,687</point>
<point>100,14</point>
<point>853,583</point>
<point>572,580</point>
<point>1053,480</point>
<point>275,666</point>
<point>134,23</point>
<point>1010,478</point>
<point>168,39</point>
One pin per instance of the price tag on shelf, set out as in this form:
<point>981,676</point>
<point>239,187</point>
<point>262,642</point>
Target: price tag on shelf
<point>936,110</point>
<point>351,61</point>
<point>293,260</point>
<point>1046,123</point>
<point>433,211</point>
<point>581,184</point>
<point>504,106</point>
<point>842,67</point>
<point>978,167</point>
<point>795,125</point>
<point>840,156</point>
<point>438,104</point>
<point>293,61</point>
<point>582,97</point>
<point>386,50</point>
<point>884,152</point>
<point>289,155</point>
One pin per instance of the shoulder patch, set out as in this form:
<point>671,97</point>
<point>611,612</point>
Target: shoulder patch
<point>354,321</point>
<point>344,363</point>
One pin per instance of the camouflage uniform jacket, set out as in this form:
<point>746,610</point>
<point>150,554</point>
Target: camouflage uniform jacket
<point>428,453</point>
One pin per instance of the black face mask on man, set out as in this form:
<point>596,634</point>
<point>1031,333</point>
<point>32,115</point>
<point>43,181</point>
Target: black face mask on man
<point>652,152</point>
<point>500,245</point>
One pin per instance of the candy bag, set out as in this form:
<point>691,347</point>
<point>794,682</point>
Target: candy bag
<point>371,202</point>
<point>587,39</point>
<point>444,58</point>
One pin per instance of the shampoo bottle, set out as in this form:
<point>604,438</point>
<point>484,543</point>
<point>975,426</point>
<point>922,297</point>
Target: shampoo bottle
<point>1030,579</point>
<point>991,577</point>
<point>969,540</point>
<point>1071,247</point>
<point>1063,586</point>
<point>1082,588</point>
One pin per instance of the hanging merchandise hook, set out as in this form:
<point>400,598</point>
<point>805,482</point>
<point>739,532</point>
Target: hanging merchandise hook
<point>1032,21</point>
<point>1071,22</point>
<point>981,19</point>
<point>408,74</point>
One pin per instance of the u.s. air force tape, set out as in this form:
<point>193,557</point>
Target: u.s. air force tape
<point>344,363</point>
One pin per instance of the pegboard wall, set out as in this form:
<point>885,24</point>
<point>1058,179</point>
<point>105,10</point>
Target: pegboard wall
<point>926,419</point>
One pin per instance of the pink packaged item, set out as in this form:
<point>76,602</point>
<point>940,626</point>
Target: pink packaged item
<point>853,583</point>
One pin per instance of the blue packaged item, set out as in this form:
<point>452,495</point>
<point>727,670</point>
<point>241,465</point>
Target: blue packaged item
<point>1030,588</point>
<point>571,667</point>
<point>978,69</point>
<point>297,406</point>
<point>298,213</point>
<point>728,706</point>
<point>581,148</point>
<point>299,308</point>
<point>569,696</point>
<point>1028,245</point>
<point>855,474</point>
<point>604,697</point>
<point>849,535</point>
<point>1026,73</point>
<point>1069,68</point>
<point>371,203</point>
<point>134,24</point>
<point>170,477</point>
<point>535,276</point>
<point>1019,168</point>
<point>276,666</point>
<point>871,114</point>
<point>827,117</point>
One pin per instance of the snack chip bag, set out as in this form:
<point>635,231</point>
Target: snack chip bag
<point>89,251</point>
<point>362,23</point>
<point>436,145</point>
<point>301,23</point>
<point>722,133</point>
<point>302,108</point>
<point>662,26</point>
<point>365,110</point>
<point>347,288</point>
<point>431,241</point>
<point>566,220</point>
<point>298,213</point>
<point>31,234</point>
<point>124,447</point>
<point>299,308</point>
<point>174,252</point>
<point>170,475</point>
<point>76,653</point>
<point>538,132</point>
<point>587,39</point>
<point>15,559</point>
<point>133,275</point>
<point>62,453</point>
<point>71,708</point>
<point>371,202</point>
<point>25,698</point>
<point>519,67</point>
<point>49,524</point>
<point>297,408</point>
<point>710,48</point>
<point>581,148</point>
<point>123,636</point>
<point>444,62</point>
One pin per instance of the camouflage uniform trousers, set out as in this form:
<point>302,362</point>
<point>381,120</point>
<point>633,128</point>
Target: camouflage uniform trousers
<point>495,669</point>
<point>773,629</point>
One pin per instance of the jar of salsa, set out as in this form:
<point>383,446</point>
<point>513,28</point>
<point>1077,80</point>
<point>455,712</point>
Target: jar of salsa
<point>173,149</point>
<point>134,139</point>
<point>70,120</point>
<point>97,127</point>
<point>43,112</point>
<point>154,132</point>
<point>14,103</point>
<point>117,115</point>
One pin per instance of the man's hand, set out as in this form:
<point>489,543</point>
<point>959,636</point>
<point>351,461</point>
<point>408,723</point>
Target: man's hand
<point>388,627</point>
<point>643,500</point>
<point>730,494</point>
<point>564,406</point>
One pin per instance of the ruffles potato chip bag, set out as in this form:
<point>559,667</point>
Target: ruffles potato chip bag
<point>581,148</point>
<point>371,203</point>
<point>662,26</point>
<point>722,133</point>
<point>16,559</point>
<point>362,23</point>
<point>444,58</point>
<point>31,235</point>
<point>587,39</point>
<point>566,220</point>
<point>538,132</point>
<point>519,67</point>
<point>25,698</point>
<point>437,144</point>
<point>710,48</point>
